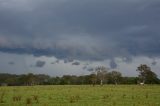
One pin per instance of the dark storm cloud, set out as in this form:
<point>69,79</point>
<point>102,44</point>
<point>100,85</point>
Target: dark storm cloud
<point>40,63</point>
<point>11,63</point>
<point>55,62</point>
<point>82,29</point>
<point>90,69</point>
<point>68,60</point>
<point>52,62</point>
<point>154,63</point>
<point>76,63</point>
<point>84,67</point>
<point>113,64</point>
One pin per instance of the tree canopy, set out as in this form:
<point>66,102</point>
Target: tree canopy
<point>100,75</point>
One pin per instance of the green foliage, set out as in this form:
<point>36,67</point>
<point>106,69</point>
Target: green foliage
<point>146,75</point>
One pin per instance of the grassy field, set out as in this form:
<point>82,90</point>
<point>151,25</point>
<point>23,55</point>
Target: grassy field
<point>81,95</point>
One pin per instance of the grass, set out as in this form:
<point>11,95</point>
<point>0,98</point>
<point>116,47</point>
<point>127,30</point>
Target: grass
<point>81,95</point>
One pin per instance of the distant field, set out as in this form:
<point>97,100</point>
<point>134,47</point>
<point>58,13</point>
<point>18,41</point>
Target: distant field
<point>81,95</point>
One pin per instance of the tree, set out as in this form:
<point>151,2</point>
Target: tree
<point>93,78</point>
<point>30,79</point>
<point>146,75</point>
<point>42,79</point>
<point>115,76</point>
<point>66,79</point>
<point>101,73</point>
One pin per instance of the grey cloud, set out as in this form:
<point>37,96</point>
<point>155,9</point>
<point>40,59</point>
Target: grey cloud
<point>52,62</point>
<point>57,61</point>
<point>90,69</point>
<point>84,30</point>
<point>127,59</point>
<point>86,64</point>
<point>113,64</point>
<point>31,65</point>
<point>11,63</point>
<point>76,63</point>
<point>40,63</point>
<point>85,67</point>
<point>154,63</point>
<point>65,61</point>
<point>68,60</point>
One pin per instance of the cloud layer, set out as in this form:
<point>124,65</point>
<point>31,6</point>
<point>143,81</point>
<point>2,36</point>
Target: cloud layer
<point>40,63</point>
<point>54,36</point>
<point>94,30</point>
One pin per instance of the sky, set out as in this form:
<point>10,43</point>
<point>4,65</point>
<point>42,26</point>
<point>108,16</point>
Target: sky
<point>59,37</point>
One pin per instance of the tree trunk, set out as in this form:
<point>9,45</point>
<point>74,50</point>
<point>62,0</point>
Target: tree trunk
<point>101,82</point>
<point>115,82</point>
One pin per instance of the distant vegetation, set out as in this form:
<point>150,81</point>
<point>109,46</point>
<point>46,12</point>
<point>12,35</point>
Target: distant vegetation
<point>100,75</point>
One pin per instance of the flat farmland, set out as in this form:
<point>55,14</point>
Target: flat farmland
<point>81,95</point>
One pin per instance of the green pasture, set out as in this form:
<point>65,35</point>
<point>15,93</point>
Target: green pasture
<point>81,95</point>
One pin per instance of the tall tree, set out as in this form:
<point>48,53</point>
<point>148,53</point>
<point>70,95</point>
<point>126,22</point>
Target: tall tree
<point>101,73</point>
<point>146,75</point>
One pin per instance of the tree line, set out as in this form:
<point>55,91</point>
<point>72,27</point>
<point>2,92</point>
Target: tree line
<point>100,75</point>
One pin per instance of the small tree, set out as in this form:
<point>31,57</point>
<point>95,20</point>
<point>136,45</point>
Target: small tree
<point>30,79</point>
<point>115,76</point>
<point>101,74</point>
<point>93,78</point>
